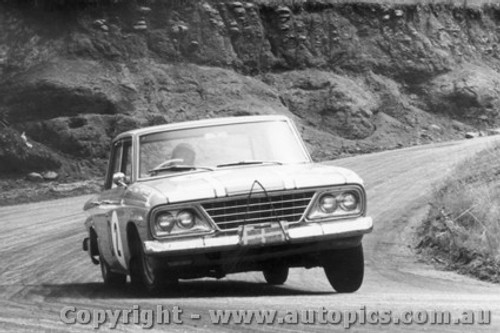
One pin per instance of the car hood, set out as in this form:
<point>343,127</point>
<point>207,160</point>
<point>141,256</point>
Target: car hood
<point>239,180</point>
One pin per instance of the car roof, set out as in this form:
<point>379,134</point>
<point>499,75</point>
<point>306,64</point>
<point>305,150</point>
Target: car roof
<point>201,123</point>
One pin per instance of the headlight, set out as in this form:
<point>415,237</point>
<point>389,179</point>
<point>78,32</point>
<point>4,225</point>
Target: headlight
<point>349,201</point>
<point>178,221</point>
<point>165,221</point>
<point>185,219</point>
<point>328,203</point>
<point>336,204</point>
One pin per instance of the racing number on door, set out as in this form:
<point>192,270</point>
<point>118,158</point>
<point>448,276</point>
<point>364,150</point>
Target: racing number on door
<point>117,240</point>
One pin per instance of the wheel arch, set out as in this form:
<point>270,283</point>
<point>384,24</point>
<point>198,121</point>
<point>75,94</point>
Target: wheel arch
<point>132,238</point>
<point>94,245</point>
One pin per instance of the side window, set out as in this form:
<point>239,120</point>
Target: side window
<point>121,161</point>
<point>117,157</point>
<point>115,163</point>
<point>127,159</point>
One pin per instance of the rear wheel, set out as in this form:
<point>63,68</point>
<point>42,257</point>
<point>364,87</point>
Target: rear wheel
<point>111,278</point>
<point>344,268</point>
<point>144,274</point>
<point>276,275</point>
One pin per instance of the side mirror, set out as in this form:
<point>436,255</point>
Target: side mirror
<point>120,179</point>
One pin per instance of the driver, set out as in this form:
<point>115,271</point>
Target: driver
<point>185,152</point>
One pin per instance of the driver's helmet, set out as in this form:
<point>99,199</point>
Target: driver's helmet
<point>185,152</point>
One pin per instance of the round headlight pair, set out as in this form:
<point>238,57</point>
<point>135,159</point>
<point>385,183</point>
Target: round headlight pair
<point>184,219</point>
<point>165,221</point>
<point>328,203</point>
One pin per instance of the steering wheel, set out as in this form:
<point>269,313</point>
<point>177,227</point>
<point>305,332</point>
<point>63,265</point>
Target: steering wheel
<point>167,163</point>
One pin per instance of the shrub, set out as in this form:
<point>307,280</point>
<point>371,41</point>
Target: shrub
<point>18,155</point>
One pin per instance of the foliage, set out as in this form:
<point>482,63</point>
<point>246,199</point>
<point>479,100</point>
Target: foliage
<point>17,154</point>
<point>463,227</point>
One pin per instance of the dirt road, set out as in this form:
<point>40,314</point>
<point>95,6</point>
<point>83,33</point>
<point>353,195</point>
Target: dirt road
<point>43,268</point>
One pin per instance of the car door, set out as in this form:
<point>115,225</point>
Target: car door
<point>110,212</point>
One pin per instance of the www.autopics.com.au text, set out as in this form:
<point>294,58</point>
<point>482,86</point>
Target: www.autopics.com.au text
<point>162,315</point>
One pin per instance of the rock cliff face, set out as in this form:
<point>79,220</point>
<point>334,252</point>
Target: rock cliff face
<point>355,77</point>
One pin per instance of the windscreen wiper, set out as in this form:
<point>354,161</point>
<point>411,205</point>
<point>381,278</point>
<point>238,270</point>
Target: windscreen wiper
<point>179,167</point>
<point>248,162</point>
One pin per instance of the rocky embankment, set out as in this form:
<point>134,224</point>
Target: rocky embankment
<point>356,77</point>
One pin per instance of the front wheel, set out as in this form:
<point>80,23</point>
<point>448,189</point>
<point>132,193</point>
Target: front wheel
<point>344,268</point>
<point>111,278</point>
<point>276,275</point>
<point>143,273</point>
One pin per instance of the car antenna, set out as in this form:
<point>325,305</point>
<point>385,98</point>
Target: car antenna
<point>256,182</point>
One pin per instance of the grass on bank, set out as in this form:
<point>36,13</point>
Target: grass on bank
<point>462,230</point>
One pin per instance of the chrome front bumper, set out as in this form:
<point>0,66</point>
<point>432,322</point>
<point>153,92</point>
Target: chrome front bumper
<point>296,233</point>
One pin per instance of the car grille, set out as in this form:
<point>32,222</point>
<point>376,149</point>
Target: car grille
<point>231,213</point>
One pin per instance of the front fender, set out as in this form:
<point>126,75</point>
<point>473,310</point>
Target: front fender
<point>122,221</point>
<point>110,220</point>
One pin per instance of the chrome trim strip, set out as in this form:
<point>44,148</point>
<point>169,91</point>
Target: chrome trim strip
<point>256,204</point>
<point>210,211</point>
<point>331,228</point>
<point>264,219</point>
<point>182,244</point>
<point>214,242</point>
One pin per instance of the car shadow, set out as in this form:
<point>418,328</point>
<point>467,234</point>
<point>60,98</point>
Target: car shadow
<point>185,289</point>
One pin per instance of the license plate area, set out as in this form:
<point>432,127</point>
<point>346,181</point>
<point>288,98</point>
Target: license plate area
<point>262,234</point>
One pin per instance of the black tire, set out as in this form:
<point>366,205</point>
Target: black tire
<point>109,277</point>
<point>344,268</point>
<point>144,275</point>
<point>276,275</point>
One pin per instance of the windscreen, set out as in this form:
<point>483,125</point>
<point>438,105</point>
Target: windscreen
<point>216,146</point>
